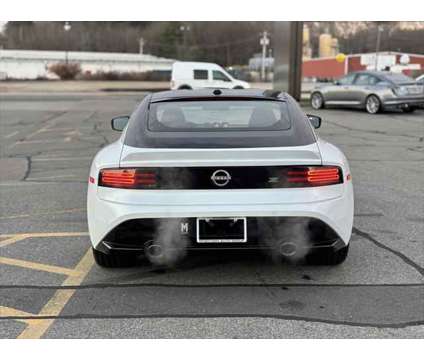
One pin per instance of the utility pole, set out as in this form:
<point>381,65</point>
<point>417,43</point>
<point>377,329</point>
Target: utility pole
<point>141,45</point>
<point>264,41</point>
<point>184,30</point>
<point>67,27</point>
<point>227,48</point>
<point>377,45</point>
<point>287,51</point>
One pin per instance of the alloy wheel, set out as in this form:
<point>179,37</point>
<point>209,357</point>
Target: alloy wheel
<point>317,101</point>
<point>373,104</point>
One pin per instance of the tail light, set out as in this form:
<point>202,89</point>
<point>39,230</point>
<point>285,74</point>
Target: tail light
<point>128,178</point>
<point>400,90</point>
<point>313,176</point>
<point>199,178</point>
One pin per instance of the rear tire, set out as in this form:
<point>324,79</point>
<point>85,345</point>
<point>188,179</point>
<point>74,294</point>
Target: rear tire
<point>317,101</point>
<point>372,104</point>
<point>328,256</point>
<point>114,260</point>
<point>185,87</point>
<point>238,87</point>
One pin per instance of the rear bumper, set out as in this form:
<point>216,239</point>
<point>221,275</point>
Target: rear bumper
<point>316,203</point>
<point>307,234</point>
<point>403,102</point>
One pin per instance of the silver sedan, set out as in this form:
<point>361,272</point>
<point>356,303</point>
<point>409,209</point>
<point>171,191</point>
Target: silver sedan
<point>371,90</point>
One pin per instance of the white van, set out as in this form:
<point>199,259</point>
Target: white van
<point>195,75</point>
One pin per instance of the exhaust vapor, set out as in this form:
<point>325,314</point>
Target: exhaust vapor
<point>168,246</point>
<point>288,238</point>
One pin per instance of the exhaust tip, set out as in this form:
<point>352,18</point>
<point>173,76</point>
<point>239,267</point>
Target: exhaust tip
<point>153,250</point>
<point>288,249</point>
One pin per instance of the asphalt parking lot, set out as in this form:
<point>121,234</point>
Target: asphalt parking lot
<point>51,288</point>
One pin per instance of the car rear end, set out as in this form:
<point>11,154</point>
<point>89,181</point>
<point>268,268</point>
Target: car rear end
<point>405,93</point>
<point>232,183</point>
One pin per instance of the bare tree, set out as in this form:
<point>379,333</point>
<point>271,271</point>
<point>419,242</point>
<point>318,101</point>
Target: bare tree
<point>227,43</point>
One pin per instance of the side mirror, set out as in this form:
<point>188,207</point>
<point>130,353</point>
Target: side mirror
<point>314,120</point>
<point>119,123</point>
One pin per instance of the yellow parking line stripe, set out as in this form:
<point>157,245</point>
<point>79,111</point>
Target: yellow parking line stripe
<point>66,211</point>
<point>13,238</point>
<point>58,234</point>
<point>37,266</point>
<point>59,299</point>
<point>8,311</point>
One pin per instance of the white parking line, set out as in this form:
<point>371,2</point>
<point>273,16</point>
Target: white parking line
<point>50,177</point>
<point>38,131</point>
<point>11,135</point>
<point>57,129</point>
<point>44,128</point>
<point>37,142</point>
<point>62,158</point>
<point>24,183</point>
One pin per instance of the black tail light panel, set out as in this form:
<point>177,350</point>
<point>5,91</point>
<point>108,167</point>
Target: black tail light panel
<point>236,177</point>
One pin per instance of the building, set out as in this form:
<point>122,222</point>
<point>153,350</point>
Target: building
<point>328,46</point>
<point>329,68</point>
<point>32,64</point>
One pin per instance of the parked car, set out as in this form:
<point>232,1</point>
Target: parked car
<point>219,169</point>
<point>196,75</point>
<point>372,90</point>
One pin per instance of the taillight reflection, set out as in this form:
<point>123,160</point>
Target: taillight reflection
<point>127,178</point>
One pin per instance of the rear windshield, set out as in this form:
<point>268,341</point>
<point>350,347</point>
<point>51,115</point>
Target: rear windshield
<point>218,116</point>
<point>218,123</point>
<point>399,78</point>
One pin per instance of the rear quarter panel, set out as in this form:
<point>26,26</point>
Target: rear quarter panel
<point>332,155</point>
<point>383,92</point>
<point>107,157</point>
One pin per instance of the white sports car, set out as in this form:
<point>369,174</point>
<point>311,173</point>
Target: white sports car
<point>219,169</point>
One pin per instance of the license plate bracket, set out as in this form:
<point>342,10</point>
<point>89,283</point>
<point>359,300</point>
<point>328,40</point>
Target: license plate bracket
<point>221,230</point>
